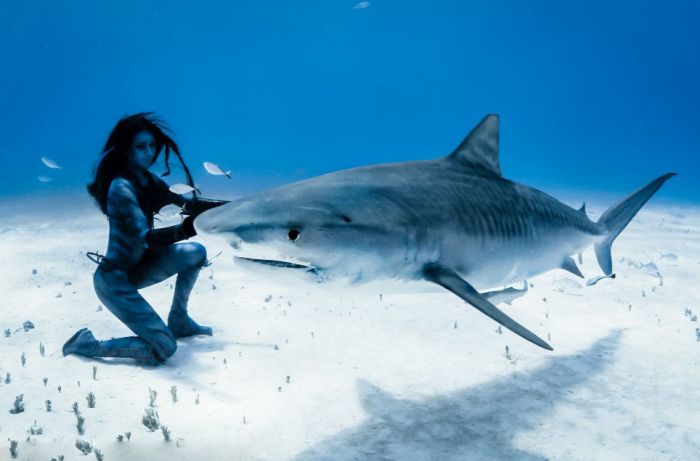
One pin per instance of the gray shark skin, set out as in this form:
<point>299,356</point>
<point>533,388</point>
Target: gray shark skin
<point>454,221</point>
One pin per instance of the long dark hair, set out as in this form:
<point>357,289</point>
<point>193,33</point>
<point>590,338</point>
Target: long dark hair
<point>113,159</point>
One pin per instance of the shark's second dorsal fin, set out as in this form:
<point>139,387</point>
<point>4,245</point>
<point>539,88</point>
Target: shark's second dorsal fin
<point>479,150</point>
<point>583,209</point>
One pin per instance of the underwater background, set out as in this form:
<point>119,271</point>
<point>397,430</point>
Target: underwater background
<point>595,97</point>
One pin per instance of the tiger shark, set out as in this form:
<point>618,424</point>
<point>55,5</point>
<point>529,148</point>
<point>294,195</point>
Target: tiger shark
<point>454,221</point>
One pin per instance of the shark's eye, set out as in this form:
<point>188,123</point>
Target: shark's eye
<point>293,235</point>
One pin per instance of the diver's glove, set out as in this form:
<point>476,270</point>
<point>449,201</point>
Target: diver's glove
<point>198,205</point>
<point>167,235</point>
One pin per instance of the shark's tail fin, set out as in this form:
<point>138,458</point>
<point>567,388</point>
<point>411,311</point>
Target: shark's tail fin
<point>619,215</point>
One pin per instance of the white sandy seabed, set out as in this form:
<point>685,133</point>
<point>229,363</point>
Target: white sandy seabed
<point>303,371</point>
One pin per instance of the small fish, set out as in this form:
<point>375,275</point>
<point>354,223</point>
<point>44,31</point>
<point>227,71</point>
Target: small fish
<point>215,170</point>
<point>169,210</point>
<point>652,270</point>
<point>50,163</point>
<point>669,256</point>
<point>649,269</point>
<point>361,6</point>
<point>566,284</point>
<point>181,188</point>
<point>43,178</point>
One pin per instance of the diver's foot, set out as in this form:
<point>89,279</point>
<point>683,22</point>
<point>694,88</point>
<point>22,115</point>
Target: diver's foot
<point>183,326</point>
<point>81,343</point>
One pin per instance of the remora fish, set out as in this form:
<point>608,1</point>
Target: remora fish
<point>455,221</point>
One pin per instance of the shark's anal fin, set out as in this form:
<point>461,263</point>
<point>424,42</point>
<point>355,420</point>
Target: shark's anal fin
<point>570,265</point>
<point>449,279</point>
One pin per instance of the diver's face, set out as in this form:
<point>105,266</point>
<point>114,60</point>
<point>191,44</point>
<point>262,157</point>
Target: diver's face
<point>143,149</point>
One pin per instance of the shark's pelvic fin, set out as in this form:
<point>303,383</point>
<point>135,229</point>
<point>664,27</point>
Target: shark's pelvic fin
<point>479,150</point>
<point>570,265</point>
<point>449,279</point>
<point>619,215</point>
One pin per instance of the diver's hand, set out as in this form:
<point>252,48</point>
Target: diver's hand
<point>187,226</point>
<point>198,205</point>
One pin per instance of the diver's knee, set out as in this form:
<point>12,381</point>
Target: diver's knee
<point>167,347</point>
<point>196,253</point>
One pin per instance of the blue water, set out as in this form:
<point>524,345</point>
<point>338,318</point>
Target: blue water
<point>593,96</point>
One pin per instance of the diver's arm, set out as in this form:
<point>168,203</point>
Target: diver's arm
<point>167,235</point>
<point>123,205</point>
<point>192,207</point>
<point>199,205</point>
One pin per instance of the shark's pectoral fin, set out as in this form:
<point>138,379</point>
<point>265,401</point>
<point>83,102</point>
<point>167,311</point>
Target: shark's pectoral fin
<point>447,278</point>
<point>570,265</point>
<point>507,295</point>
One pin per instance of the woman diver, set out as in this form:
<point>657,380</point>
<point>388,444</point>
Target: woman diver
<point>137,254</point>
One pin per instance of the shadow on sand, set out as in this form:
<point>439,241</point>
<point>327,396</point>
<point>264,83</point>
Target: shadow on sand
<point>480,422</point>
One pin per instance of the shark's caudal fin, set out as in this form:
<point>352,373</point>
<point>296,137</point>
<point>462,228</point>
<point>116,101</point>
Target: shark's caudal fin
<point>619,215</point>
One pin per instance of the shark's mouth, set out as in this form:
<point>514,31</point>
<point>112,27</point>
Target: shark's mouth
<point>277,263</point>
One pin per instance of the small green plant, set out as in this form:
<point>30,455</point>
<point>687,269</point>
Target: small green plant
<point>508,355</point>
<point>150,419</point>
<point>99,455</point>
<point>84,446</point>
<point>152,395</point>
<point>59,458</point>
<point>8,333</point>
<point>46,380</point>
<point>42,349</point>
<point>13,448</point>
<point>196,399</point>
<point>173,393</point>
<point>76,410</point>
<point>48,405</point>
<point>128,435</point>
<point>36,430</point>
<point>94,373</point>
<point>90,400</point>
<point>80,425</point>
<point>166,433</point>
<point>18,406</point>
<point>120,438</point>
<point>23,358</point>
<point>8,378</point>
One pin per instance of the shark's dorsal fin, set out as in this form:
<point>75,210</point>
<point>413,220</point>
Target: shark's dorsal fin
<point>583,209</point>
<point>479,150</point>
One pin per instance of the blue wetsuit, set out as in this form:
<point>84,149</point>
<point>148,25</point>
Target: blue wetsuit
<point>132,263</point>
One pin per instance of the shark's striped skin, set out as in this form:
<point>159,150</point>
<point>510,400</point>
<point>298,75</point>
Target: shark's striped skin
<point>454,221</point>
